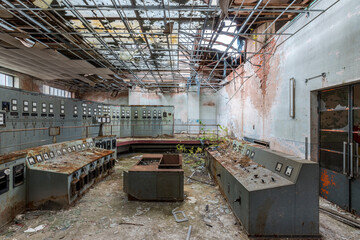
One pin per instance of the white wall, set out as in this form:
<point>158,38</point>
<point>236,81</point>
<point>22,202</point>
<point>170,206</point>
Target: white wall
<point>330,44</point>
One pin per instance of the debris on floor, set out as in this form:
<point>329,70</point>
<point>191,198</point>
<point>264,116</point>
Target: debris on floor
<point>105,213</point>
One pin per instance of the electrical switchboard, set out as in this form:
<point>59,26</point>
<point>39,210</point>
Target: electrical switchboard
<point>27,116</point>
<point>271,193</point>
<point>60,173</point>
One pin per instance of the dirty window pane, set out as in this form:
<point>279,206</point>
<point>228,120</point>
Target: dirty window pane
<point>337,99</point>
<point>335,120</point>
<point>9,81</point>
<point>356,127</point>
<point>332,161</point>
<point>56,92</point>
<point>357,96</point>
<point>333,140</point>
<point>2,79</point>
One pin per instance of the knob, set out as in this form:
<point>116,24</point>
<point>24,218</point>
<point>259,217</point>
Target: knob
<point>238,200</point>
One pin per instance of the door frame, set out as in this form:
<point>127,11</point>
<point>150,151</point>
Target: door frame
<point>315,136</point>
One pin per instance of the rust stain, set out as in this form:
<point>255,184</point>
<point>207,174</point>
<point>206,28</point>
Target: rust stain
<point>49,203</point>
<point>210,104</point>
<point>103,96</point>
<point>326,182</point>
<point>12,156</point>
<point>71,163</point>
<point>262,216</point>
<point>11,208</point>
<point>162,163</point>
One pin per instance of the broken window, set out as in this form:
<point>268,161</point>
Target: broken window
<point>4,181</point>
<point>56,92</point>
<point>18,175</point>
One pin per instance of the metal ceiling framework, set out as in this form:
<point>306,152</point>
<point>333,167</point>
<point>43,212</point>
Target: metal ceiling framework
<point>153,44</point>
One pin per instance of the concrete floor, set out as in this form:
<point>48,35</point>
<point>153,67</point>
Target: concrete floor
<point>105,213</point>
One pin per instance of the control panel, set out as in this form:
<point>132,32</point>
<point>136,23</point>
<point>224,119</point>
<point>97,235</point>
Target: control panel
<point>66,169</point>
<point>288,186</point>
<point>279,163</point>
<point>28,110</point>
<point>49,152</point>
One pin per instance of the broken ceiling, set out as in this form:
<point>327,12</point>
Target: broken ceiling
<point>116,44</point>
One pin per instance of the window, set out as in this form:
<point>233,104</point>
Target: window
<point>8,80</point>
<point>57,92</point>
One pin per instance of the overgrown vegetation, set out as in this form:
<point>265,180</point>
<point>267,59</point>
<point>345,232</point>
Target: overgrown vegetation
<point>180,148</point>
<point>214,137</point>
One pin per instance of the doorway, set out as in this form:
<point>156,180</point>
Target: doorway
<point>339,140</point>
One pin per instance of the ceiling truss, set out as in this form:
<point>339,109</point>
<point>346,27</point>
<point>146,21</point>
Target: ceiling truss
<point>153,44</point>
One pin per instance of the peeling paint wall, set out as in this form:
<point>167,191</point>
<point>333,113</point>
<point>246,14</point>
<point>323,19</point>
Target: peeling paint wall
<point>260,109</point>
<point>106,97</point>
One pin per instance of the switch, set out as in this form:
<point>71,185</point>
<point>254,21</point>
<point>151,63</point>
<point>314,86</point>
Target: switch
<point>288,171</point>
<point>278,167</point>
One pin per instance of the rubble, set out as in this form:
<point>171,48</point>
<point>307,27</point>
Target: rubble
<point>92,218</point>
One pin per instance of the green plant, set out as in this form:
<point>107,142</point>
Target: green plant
<point>198,150</point>
<point>224,134</point>
<point>181,148</point>
<point>191,151</point>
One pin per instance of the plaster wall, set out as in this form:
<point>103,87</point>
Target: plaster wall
<point>105,97</point>
<point>260,109</point>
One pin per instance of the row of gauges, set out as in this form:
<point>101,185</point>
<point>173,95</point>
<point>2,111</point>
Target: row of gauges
<point>47,156</point>
<point>33,107</point>
<point>155,114</point>
<point>99,110</point>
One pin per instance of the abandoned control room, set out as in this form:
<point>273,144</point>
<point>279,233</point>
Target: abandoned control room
<point>180,119</point>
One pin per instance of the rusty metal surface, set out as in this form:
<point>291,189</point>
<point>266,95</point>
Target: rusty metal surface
<point>146,181</point>
<point>250,174</point>
<point>171,161</point>
<point>70,163</point>
<point>265,204</point>
<point>152,164</point>
<point>12,156</point>
<point>334,187</point>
